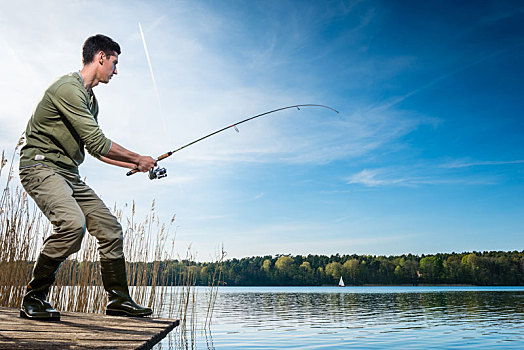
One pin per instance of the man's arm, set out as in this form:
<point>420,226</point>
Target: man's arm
<point>70,101</point>
<point>125,158</point>
<point>117,163</point>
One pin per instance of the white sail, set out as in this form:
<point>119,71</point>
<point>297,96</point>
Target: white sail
<point>341,282</point>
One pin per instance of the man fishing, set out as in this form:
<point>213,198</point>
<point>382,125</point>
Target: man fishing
<point>62,125</point>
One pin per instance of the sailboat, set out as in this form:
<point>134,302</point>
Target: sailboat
<point>341,282</point>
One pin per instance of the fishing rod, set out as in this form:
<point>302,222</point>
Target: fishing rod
<point>158,173</point>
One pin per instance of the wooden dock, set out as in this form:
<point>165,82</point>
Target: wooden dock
<point>81,331</point>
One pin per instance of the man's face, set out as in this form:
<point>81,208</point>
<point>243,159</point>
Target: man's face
<point>108,67</point>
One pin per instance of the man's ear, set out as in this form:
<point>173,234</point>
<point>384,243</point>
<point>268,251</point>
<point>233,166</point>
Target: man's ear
<point>100,57</point>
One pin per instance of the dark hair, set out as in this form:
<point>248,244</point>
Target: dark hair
<point>97,43</point>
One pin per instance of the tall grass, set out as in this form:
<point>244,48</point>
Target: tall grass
<point>18,228</point>
<point>215,282</point>
<point>78,287</point>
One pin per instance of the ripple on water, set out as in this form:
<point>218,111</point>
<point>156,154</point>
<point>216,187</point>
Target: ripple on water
<point>405,318</point>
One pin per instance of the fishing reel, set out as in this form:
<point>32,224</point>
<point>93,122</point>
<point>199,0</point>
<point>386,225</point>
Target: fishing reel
<point>157,173</point>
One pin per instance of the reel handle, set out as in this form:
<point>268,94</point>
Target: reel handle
<point>154,173</point>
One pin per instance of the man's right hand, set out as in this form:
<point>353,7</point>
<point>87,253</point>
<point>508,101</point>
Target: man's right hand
<point>145,163</point>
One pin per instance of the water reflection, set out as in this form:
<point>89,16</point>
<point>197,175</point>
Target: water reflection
<point>311,318</point>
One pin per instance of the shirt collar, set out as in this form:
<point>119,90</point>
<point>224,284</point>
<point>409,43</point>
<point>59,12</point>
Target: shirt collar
<point>82,80</point>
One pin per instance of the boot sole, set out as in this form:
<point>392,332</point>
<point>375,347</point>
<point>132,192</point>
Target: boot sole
<point>23,314</point>
<point>123,313</point>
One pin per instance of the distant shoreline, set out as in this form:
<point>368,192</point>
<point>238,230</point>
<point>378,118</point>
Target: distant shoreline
<point>421,285</point>
<point>370,285</point>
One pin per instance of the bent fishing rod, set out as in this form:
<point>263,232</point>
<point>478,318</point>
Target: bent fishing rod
<point>158,173</point>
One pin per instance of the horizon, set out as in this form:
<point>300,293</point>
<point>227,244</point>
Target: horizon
<point>341,255</point>
<point>425,157</point>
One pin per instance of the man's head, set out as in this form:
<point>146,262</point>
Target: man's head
<point>103,52</point>
<point>96,43</point>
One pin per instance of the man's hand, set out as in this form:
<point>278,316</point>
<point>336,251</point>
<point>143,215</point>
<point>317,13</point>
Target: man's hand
<point>145,163</point>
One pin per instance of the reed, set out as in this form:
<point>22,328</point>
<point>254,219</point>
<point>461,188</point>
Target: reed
<point>18,228</point>
<point>149,252</point>
<point>213,290</point>
<point>185,336</point>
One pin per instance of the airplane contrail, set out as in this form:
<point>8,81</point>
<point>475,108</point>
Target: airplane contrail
<point>152,75</point>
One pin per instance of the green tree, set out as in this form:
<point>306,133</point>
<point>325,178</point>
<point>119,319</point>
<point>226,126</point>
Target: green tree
<point>471,264</point>
<point>453,268</point>
<point>266,266</point>
<point>285,270</point>
<point>284,264</point>
<point>334,269</point>
<point>350,270</point>
<point>431,267</point>
<point>305,266</point>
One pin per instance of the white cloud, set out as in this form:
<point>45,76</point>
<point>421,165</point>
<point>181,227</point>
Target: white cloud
<point>467,164</point>
<point>368,177</point>
<point>416,175</point>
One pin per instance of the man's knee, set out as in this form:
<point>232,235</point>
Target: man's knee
<point>75,223</point>
<point>72,228</point>
<point>66,238</point>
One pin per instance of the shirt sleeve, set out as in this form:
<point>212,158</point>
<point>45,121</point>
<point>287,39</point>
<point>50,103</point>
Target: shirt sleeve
<point>73,105</point>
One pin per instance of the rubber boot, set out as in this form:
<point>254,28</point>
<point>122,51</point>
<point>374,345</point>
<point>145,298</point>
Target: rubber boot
<point>115,283</point>
<point>34,303</point>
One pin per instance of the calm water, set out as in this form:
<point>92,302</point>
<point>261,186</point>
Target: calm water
<point>359,318</point>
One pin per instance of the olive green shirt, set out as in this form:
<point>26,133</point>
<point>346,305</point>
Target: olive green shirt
<point>63,123</point>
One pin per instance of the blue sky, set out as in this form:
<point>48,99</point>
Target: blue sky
<point>426,155</point>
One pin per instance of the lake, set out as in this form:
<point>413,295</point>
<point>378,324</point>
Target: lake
<point>357,318</point>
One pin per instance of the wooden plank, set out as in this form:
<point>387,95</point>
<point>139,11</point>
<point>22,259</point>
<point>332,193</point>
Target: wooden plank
<point>81,331</point>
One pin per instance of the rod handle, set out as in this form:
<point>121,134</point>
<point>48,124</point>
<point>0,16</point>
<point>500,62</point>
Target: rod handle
<point>131,172</point>
<point>165,155</point>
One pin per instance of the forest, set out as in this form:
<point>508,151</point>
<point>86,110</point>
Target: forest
<point>491,268</point>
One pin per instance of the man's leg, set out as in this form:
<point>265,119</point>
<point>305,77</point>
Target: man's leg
<point>53,195</point>
<point>103,225</point>
<point>119,302</point>
<point>34,303</point>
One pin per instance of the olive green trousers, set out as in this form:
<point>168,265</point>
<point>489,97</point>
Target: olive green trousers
<point>71,206</point>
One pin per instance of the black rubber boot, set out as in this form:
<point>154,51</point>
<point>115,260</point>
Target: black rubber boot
<point>115,283</point>
<point>34,303</point>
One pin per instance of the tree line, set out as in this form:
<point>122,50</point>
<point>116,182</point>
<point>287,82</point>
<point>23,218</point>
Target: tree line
<point>477,268</point>
<point>491,268</point>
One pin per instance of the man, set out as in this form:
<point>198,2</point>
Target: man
<point>62,125</point>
